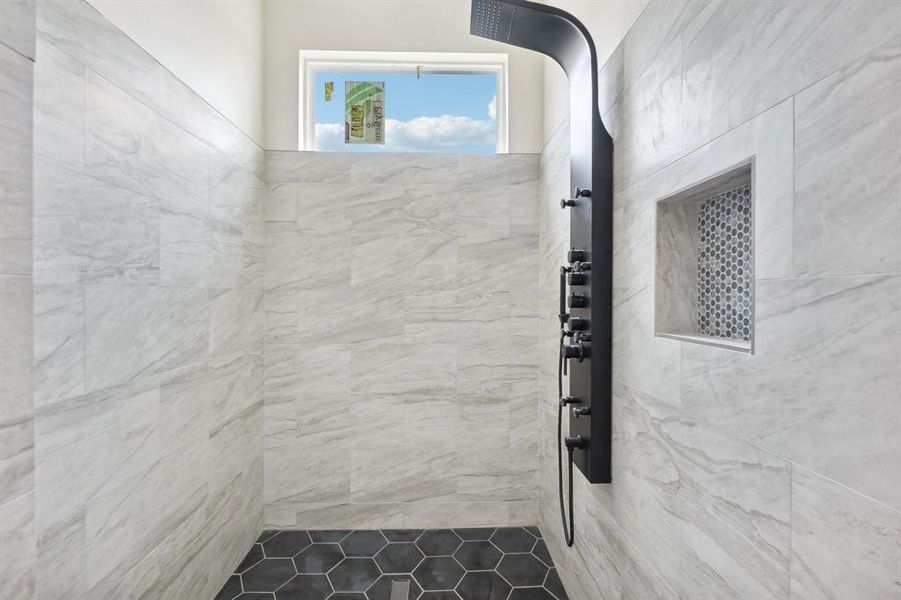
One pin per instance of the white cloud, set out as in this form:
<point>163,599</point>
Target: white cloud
<point>329,136</point>
<point>492,108</point>
<point>420,134</point>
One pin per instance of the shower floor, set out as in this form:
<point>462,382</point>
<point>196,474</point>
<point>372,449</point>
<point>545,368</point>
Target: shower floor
<point>505,563</point>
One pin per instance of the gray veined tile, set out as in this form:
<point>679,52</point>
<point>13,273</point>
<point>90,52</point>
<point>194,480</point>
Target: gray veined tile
<point>496,477</point>
<point>303,261</point>
<point>183,106</point>
<point>281,207</point>
<point>499,169</point>
<point>648,135</point>
<point>237,321</point>
<point>15,162</point>
<point>309,167</point>
<point>847,213</point>
<point>59,343</point>
<point>17,330</point>
<point>59,108</point>
<point>844,545</point>
<point>296,475</point>
<point>18,561</point>
<point>405,168</point>
<point>87,231</point>
<point>420,474</point>
<point>412,370</point>
<point>307,373</point>
<point>749,56</point>
<point>80,31</point>
<point>120,135</point>
<point>17,25</point>
<point>821,382</point>
<point>138,332</point>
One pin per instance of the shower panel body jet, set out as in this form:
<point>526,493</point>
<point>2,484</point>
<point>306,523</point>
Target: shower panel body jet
<point>586,344</point>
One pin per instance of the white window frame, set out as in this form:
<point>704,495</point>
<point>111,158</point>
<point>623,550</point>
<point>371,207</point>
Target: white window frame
<point>313,61</point>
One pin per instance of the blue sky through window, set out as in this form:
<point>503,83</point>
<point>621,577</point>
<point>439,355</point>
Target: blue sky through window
<point>436,113</point>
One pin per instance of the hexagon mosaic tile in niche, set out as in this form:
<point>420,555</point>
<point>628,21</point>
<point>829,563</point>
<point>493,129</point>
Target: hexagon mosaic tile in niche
<point>508,563</point>
<point>725,277</point>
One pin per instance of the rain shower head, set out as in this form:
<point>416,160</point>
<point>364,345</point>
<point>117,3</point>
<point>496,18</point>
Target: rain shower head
<point>535,26</point>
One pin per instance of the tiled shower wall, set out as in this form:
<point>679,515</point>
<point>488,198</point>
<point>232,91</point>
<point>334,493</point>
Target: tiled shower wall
<point>17,495</point>
<point>148,323</point>
<point>401,312</point>
<point>765,476</point>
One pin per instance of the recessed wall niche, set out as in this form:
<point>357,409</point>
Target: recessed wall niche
<point>704,289</point>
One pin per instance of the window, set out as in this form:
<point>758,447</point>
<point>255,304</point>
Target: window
<point>432,102</point>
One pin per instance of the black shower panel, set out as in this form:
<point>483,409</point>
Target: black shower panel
<point>588,274</point>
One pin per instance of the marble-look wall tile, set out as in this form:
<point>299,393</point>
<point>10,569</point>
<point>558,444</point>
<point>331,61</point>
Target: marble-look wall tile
<point>844,545</point>
<point>847,214</point>
<point>139,332</point>
<point>747,57</point>
<point>59,95</point>
<point>16,408</point>
<point>18,553</point>
<point>17,26</point>
<point>403,332</point>
<point>87,231</point>
<point>821,388</point>
<point>148,323</point>
<point>647,135</point>
<point>80,31</point>
<point>16,77</point>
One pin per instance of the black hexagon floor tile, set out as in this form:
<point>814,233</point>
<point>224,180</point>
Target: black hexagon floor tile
<point>554,585</point>
<point>513,539</point>
<point>401,535</point>
<point>253,557</point>
<point>522,570</point>
<point>268,575</point>
<point>318,558</point>
<point>286,544</point>
<point>363,543</point>
<point>231,589</point>
<point>268,533</point>
<point>513,565</point>
<point>540,552</point>
<point>478,556</point>
<point>438,573</point>
<point>401,557</point>
<point>483,585</point>
<point>305,587</point>
<point>439,542</point>
<point>475,533</point>
<point>381,589</point>
<point>354,575</point>
<point>328,535</point>
<point>531,593</point>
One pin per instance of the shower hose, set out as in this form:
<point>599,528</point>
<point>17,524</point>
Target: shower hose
<point>567,530</point>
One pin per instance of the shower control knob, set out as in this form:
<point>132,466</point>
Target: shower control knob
<point>579,350</point>
<point>578,301</point>
<point>581,411</point>
<point>577,255</point>
<point>582,193</point>
<point>578,324</point>
<point>577,278</point>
